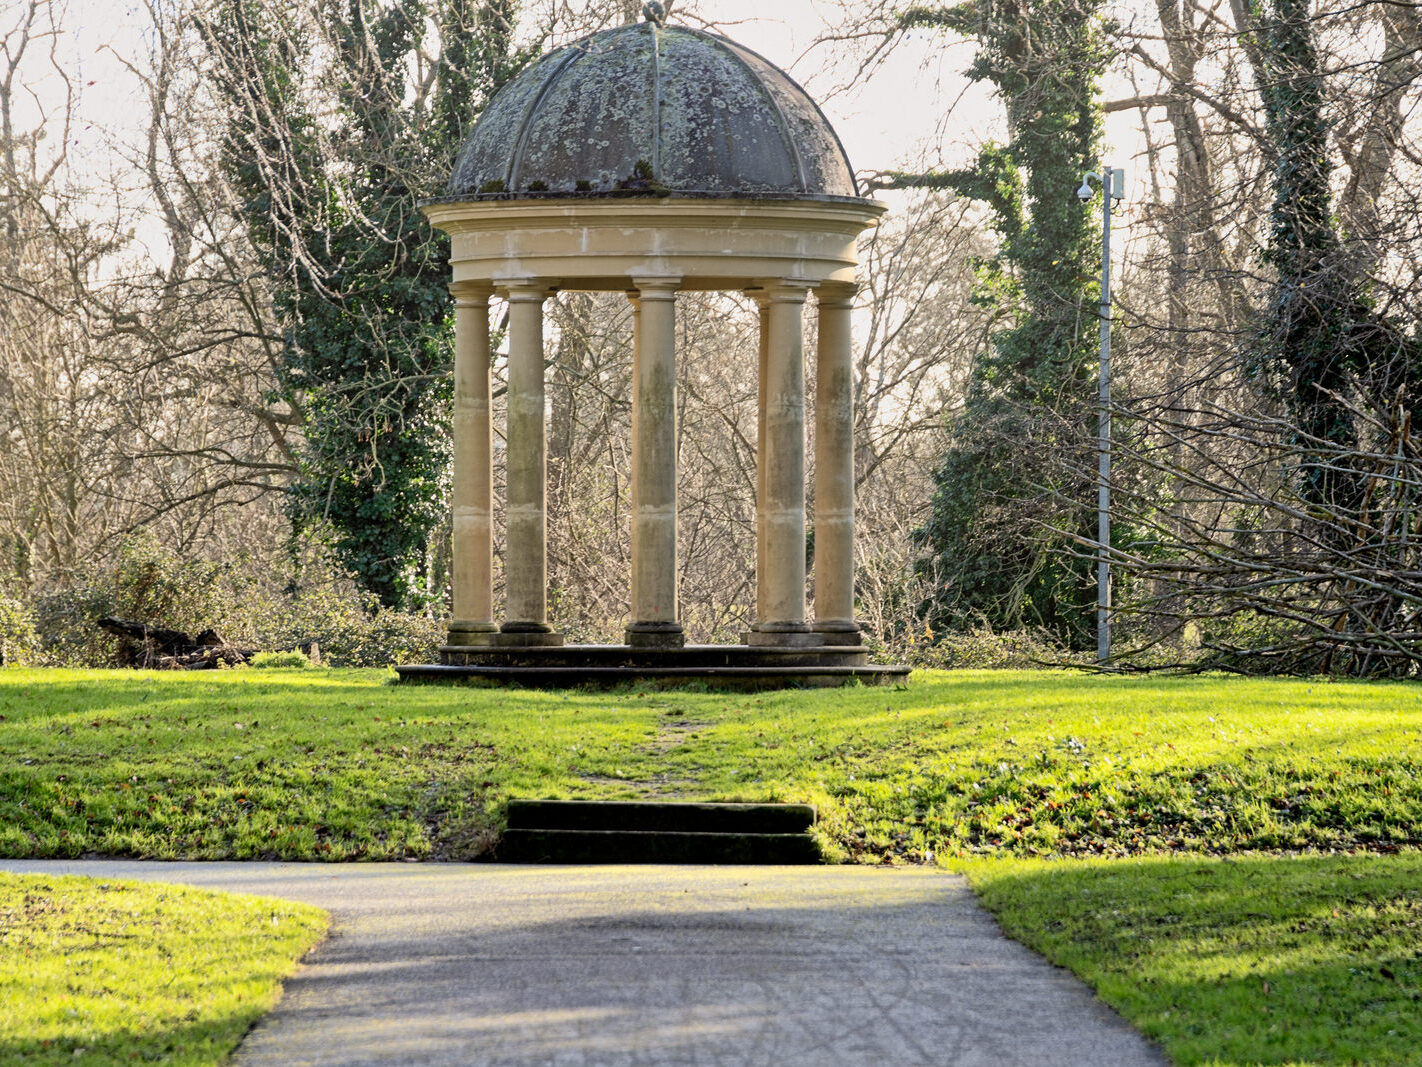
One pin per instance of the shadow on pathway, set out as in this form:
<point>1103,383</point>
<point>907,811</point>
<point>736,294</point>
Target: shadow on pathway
<point>777,966</point>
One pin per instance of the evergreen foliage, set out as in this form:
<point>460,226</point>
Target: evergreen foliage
<point>1011,490</point>
<point>1322,336</point>
<point>330,143</point>
<point>1309,329</point>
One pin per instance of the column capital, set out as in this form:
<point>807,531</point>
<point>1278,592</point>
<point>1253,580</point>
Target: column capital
<point>525,290</point>
<point>655,286</point>
<point>471,294</point>
<point>783,290</point>
<point>836,294</point>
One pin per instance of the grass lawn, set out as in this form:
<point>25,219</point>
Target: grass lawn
<point>1247,960</point>
<point>1199,924</point>
<point>341,765</point>
<point>110,973</point>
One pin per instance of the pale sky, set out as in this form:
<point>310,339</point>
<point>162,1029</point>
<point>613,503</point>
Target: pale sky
<point>916,109</point>
<point>883,121</point>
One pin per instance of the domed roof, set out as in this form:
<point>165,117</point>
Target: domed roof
<point>652,110</point>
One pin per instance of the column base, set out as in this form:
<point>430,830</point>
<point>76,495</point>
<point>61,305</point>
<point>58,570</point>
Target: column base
<point>786,635</point>
<point>471,633</point>
<point>525,635</point>
<point>840,632</point>
<point>655,635</point>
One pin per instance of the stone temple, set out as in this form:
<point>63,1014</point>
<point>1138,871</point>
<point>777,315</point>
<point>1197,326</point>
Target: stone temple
<point>649,160</point>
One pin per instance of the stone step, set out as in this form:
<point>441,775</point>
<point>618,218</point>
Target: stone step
<point>638,846</point>
<point>660,816</point>
<point>689,657</point>
<point>653,831</point>
<point>738,678</point>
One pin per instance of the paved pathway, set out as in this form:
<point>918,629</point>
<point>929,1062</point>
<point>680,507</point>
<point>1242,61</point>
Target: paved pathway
<point>664,966</point>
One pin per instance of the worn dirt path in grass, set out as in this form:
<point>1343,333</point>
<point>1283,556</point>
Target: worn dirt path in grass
<point>780,966</point>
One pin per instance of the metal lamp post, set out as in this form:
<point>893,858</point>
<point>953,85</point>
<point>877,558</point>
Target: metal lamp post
<point>1113,188</point>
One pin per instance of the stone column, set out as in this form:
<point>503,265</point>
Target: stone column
<point>781,580</point>
<point>762,379</point>
<point>472,549</point>
<point>655,621</point>
<point>526,557</point>
<point>834,468</point>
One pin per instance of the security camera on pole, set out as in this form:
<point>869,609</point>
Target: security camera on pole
<point>1113,188</point>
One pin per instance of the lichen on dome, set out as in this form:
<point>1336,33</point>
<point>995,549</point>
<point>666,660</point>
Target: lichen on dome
<point>652,110</point>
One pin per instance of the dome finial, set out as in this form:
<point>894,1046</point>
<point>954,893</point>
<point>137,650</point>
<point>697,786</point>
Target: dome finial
<point>653,11</point>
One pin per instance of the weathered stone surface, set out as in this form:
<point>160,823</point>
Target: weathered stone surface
<point>732,678</point>
<point>834,467</point>
<point>506,653</point>
<point>655,160</point>
<point>739,667</point>
<point>782,503</point>
<point>526,513</point>
<point>655,614</point>
<point>473,520</point>
<point>652,110</point>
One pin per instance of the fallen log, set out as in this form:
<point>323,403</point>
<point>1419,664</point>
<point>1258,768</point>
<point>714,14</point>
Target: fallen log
<point>156,647</point>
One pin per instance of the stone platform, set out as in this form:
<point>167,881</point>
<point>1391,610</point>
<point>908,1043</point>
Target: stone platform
<point>728,666</point>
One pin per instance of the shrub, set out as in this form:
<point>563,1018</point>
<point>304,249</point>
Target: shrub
<point>352,630</point>
<point>267,604</point>
<point>986,649</point>
<point>268,660</point>
<point>1253,643</point>
<point>155,585</point>
<point>17,632</point>
<point>250,605</point>
<point>147,583</point>
<point>65,630</point>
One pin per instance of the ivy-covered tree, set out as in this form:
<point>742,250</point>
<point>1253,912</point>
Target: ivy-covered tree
<point>337,121</point>
<point>1011,490</point>
<point>1322,338</point>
